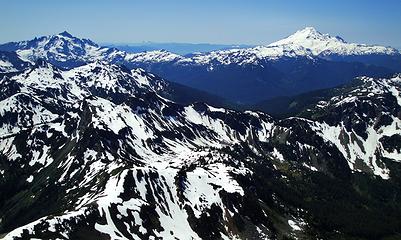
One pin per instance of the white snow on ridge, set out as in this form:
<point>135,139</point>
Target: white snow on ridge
<point>198,188</point>
<point>152,56</point>
<point>165,160</point>
<point>324,44</point>
<point>355,148</point>
<point>6,66</point>
<point>201,186</point>
<point>247,55</point>
<point>64,47</point>
<point>295,226</point>
<point>307,42</point>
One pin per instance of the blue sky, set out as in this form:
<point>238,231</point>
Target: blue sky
<point>206,21</point>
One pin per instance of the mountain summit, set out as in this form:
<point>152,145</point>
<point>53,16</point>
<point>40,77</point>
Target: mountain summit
<point>325,44</point>
<point>67,51</point>
<point>307,34</point>
<point>290,66</point>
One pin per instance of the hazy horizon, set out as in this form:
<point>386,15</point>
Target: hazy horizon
<point>150,42</point>
<point>214,22</point>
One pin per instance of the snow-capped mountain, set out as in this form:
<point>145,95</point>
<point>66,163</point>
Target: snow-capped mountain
<point>67,51</point>
<point>324,44</point>
<point>305,61</point>
<point>366,118</point>
<point>308,42</point>
<point>10,62</point>
<point>302,62</point>
<point>63,49</point>
<point>95,152</point>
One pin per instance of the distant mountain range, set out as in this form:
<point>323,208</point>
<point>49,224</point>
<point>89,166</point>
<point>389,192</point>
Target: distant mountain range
<point>305,61</point>
<point>177,48</point>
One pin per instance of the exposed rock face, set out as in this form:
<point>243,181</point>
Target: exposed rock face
<point>95,153</point>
